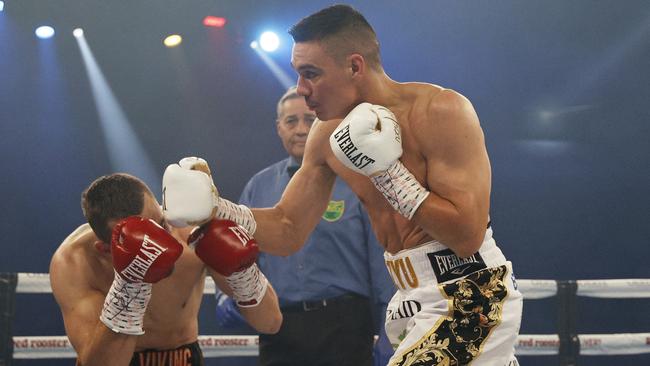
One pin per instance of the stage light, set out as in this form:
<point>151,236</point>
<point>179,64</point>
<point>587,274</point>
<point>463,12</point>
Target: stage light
<point>212,21</point>
<point>78,32</point>
<point>273,66</point>
<point>269,41</point>
<point>173,40</point>
<point>125,150</point>
<point>44,32</point>
<point>2,5</point>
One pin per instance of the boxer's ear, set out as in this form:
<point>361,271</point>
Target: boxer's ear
<point>357,65</point>
<point>102,247</point>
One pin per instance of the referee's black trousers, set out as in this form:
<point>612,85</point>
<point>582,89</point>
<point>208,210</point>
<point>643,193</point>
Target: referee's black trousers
<point>336,333</point>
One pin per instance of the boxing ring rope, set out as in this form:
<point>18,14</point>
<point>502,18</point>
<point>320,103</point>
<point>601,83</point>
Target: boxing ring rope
<point>31,347</point>
<point>39,283</point>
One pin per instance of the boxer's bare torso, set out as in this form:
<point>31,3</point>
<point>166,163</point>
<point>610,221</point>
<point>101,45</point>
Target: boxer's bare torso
<point>82,272</point>
<point>391,229</point>
<point>443,147</point>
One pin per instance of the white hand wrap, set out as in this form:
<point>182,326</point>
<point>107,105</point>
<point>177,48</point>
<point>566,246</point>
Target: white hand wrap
<point>368,140</point>
<point>248,286</point>
<point>125,305</point>
<point>401,189</point>
<point>240,214</point>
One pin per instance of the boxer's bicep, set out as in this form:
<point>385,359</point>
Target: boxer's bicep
<point>454,149</point>
<point>306,197</point>
<point>308,192</point>
<point>457,174</point>
<point>283,229</point>
<point>94,343</point>
<point>80,304</point>
<point>81,319</point>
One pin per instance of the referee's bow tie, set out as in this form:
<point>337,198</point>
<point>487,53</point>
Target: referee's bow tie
<point>292,169</point>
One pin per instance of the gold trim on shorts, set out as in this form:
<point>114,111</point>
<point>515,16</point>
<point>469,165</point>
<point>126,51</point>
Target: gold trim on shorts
<point>476,306</point>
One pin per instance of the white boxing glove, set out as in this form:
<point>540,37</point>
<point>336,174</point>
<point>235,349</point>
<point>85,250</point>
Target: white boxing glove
<point>368,141</point>
<point>190,197</point>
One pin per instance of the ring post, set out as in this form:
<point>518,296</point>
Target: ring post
<point>567,313</point>
<point>8,283</point>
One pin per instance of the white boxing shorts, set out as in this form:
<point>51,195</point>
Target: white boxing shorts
<point>453,311</point>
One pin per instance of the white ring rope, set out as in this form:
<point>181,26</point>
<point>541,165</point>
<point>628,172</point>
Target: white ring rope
<point>613,289</point>
<point>30,347</point>
<point>39,283</point>
<point>242,346</point>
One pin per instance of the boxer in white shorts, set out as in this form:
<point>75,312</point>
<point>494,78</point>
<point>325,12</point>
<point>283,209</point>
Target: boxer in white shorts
<point>450,310</point>
<point>414,153</point>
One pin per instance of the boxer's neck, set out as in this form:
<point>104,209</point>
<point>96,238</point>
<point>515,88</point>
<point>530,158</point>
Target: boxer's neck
<point>380,89</point>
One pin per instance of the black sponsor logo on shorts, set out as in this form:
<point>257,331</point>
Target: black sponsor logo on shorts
<point>448,266</point>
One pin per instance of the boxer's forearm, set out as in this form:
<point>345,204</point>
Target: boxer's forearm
<point>107,348</point>
<point>284,229</point>
<point>278,234</point>
<point>459,224</point>
<point>265,317</point>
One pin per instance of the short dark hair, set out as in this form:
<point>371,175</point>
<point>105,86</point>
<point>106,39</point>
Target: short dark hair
<point>112,197</point>
<point>342,30</point>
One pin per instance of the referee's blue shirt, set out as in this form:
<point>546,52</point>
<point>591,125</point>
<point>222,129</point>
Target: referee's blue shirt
<point>341,255</point>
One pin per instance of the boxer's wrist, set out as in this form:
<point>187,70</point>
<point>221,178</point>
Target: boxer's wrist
<point>242,215</point>
<point>401,189</point>
<point>248,286</point>
<point>125,305</point>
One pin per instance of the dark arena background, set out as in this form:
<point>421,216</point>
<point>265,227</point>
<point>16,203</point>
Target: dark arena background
<point>562,89</point>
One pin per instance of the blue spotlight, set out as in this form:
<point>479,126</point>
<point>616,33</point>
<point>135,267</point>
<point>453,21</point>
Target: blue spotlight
<point>44,32</point>
<point>269,41</point>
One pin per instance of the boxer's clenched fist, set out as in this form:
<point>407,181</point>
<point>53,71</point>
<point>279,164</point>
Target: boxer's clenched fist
<point>190,197</point>
<point>224,246</point>
<point>143,253</point>
<point>230,250</point>
<point>368,141</point>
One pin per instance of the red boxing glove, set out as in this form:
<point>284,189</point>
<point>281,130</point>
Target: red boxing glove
<point>143,251</point>
<point>224,246</point>
<point>230,250</point>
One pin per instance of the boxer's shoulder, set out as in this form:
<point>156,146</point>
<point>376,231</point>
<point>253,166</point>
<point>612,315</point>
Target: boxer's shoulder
<point>74,245</point>
<point>78,259</point>
<point>429,100</point>
<point>318,141</point>
<point>321,130</point>
<point>416,93</point>
<point>434,110</point>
